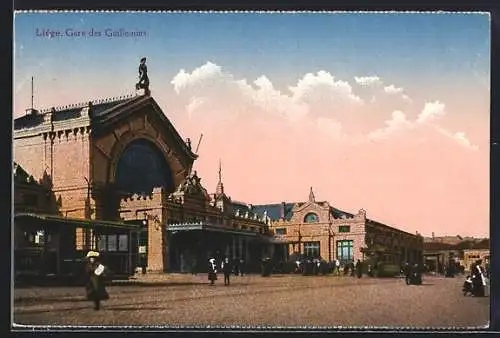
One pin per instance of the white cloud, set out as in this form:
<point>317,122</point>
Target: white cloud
<point>194,104</point>
<point>397,123</point>
<point>431,112</point>
<point>367,80</point>
<point>197,76</point>
<point>391,89</point>
<point>318,99</point>
<point>407,98</point>
<point>323,85</point>
<point>459,137</point>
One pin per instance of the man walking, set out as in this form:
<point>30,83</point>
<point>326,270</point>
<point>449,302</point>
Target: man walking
<point>226,269</point>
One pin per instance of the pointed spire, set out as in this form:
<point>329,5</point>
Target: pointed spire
<point>311,195</point>
<point>220,171</point>
<point>220,187</point>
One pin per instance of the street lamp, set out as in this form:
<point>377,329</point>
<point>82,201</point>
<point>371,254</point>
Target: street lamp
<point>87,209</point>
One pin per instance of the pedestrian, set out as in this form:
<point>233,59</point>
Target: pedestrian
<point>352,268</point>
<point>236,267</point>
<point>337,267</point>
<point>95,273</point>
<point>478,279</point>
<point>226,269</point>
<point>359,269</point>
<point>407,273</point>
<point>194,264</point>
<point>212,271</point>
<point>241,267</point>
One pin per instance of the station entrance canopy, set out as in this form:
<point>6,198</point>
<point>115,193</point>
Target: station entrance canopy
<point>203,226</point>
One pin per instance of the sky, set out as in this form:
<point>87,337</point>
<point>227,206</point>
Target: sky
<point>388,112</point>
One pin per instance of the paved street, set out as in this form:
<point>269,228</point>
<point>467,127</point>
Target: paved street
<point>278,301</point>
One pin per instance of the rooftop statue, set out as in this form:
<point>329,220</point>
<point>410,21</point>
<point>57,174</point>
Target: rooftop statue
<point>143,77</point>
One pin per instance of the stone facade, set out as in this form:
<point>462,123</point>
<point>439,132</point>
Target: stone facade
<point>304,223</point>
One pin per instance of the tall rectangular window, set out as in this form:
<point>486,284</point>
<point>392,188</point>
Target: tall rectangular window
<point>101,243</point>
<point>112,245</point>
<point>311,249</point>
<point>344,251</point>
<point>123,242</point>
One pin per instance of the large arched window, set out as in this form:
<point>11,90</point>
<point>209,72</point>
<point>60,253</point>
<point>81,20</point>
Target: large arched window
<point>311,218</point>
<point>142,167</point>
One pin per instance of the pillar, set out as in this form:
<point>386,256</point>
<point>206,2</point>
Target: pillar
<point>157,249</point>
<point>234,247</point>
<point>247,251</point>
<point>240,247</point>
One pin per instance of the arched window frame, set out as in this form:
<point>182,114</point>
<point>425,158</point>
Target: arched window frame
<point>311,217</point>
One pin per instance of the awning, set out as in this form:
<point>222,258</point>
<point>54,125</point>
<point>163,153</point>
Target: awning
<point>208,227</point>
<point>77,222</point>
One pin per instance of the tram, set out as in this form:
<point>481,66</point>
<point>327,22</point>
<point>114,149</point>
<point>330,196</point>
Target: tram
<point>53,247</point>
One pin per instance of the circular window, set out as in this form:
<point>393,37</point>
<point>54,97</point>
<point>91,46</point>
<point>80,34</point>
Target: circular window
<point>311,218</point>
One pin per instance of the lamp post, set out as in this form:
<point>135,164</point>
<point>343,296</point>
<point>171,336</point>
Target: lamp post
<point>88,234</point>
<point>87,207</point>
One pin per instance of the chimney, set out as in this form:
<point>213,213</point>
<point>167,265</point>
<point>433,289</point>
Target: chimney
<point>282,210</point>
<point>433,235</point>
<point>31,111</point>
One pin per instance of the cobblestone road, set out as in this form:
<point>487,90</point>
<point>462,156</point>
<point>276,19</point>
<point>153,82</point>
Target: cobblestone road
<point>250,301</point>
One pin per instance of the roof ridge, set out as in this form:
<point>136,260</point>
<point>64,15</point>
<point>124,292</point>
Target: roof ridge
<point>108,99</point>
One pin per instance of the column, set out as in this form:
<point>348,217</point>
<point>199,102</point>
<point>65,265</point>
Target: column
<point>247,251</point>
<point>234,247</point>
<point>240,247</point>
<point>130,266</point>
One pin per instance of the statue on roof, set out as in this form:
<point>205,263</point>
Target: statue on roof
<point>143,77</point>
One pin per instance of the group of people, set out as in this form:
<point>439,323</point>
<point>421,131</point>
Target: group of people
<point>475,283</point>
<point>225,266</point>
<point>412,273</point>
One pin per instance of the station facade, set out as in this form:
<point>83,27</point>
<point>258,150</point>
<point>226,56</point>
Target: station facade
<point>317,229</point>
<point>121,161</point>
<point>121,177</point>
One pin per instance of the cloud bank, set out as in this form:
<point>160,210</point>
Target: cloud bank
<point>360,144</point>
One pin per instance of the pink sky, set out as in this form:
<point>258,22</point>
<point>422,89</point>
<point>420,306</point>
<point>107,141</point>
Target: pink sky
<point>419,165</point>
<point>411,160</point>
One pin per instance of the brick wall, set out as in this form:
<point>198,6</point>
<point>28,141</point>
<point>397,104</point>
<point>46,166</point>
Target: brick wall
<point>29,154</point>
<point>64,157</point>
<point>151,208</point>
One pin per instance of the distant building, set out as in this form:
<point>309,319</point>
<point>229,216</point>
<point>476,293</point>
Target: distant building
<point>315,228</point>
<point>461,250</point>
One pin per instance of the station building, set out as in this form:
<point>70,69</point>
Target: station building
<point>115,175</point>
<point>317,229</point>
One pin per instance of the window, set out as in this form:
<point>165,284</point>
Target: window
<point>112,239</point>
<point>311,249</point>
<point>345,228</point>
<point>280,231</point>
<point>344,251</point>
<point>311,218</point>
<point>101,243</point>
<point>123,242</point>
